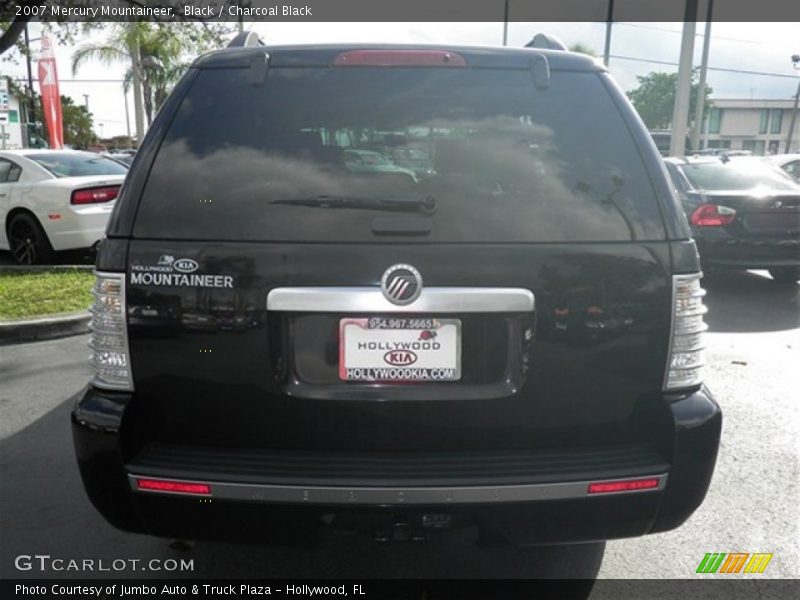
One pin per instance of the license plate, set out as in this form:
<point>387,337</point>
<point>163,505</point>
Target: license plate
<point>399,349</point>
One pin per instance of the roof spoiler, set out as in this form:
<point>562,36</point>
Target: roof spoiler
<point>547,42</point>
<point>245,38</point>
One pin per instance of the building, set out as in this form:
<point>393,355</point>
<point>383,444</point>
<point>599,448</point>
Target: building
<point>10,121</point>
<point>760,126</point>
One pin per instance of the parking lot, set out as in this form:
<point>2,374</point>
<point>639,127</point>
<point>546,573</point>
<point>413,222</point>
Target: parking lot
<point>753,504</point>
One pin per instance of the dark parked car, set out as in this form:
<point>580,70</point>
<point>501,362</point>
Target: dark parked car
<point>513,343</point>
<point>744,213</point>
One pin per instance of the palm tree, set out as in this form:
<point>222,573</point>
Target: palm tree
<point>159,49</point>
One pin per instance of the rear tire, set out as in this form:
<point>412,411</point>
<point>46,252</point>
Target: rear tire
<point>28,241</point>
<point>785,275</point>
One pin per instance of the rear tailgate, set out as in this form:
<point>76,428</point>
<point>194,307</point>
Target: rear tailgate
<point>523,190</point>
<point>223,369</point>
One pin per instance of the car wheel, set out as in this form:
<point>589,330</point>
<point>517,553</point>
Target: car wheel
<point>28,241</point>
<point>785,275</point>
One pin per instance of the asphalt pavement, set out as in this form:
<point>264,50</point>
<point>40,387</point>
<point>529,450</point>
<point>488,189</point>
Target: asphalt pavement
<point>753,504</point>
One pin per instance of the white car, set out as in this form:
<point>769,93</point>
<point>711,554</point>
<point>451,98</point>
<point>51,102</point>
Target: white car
<point>53,200</point>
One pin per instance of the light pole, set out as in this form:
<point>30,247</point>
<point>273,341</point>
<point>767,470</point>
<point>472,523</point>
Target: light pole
<point>609,24</point>
<point>127,118</point>
<point>505,24</point>
<point>680,113</point>
<point>700,101</point>
<point>796,65</point>
<point>86,101</point>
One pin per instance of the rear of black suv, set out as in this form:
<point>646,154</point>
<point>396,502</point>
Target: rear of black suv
<point>508,334</point>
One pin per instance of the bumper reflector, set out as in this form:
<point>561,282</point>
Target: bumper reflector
<point>631,485</point>
<point>176,487</point>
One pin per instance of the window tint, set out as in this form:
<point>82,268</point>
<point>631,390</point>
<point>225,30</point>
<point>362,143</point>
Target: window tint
<point>5,167</point>
<point>13,173</point>
<point>76,164</point>
<point>793,169</point>
<point>737,174</point>
<point>9,171</point>
<point>500,160</point>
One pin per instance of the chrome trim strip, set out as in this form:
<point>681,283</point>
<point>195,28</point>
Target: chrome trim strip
<point>382,496</point>
<point>372,300</point>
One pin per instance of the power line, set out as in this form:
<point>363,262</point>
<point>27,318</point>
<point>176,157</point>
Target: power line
<point>722,69</point>
<point>678,31</point>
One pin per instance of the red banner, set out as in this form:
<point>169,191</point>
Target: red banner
<point>51,99</point>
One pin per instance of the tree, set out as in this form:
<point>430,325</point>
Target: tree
<point>77,121</point>
<point>163,49</point>
<point>582,48</point>
<point>654,98</point>
<point>13,24</point>
<point>78,124</point>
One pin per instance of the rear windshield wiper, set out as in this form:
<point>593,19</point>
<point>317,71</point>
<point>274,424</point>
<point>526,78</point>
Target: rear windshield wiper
<point>407,203</point>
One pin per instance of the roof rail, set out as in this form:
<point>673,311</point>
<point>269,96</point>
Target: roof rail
<point>246,38</point>
<point>546,41</point>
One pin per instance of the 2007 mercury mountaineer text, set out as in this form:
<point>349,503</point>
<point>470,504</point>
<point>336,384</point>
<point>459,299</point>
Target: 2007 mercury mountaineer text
<point>346,283</point>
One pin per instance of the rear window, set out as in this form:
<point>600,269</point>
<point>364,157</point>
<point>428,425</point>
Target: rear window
<point>77,164</point>
<point>341,154</point>
<point>738,175</point>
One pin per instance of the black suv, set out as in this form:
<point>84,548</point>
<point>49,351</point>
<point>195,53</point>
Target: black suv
<point>507,336</point>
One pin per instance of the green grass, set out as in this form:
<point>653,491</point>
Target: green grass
<point>26,295</point>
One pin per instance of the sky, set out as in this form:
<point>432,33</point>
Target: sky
<point>763,47</point>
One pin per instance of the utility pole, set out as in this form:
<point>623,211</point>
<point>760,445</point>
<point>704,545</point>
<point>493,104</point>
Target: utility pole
<point>127,117</point>
<point>796,65</point>
<point>680,113</point>
<point>701,90</point>
<point>505,24</point>
<point>86,102</point>
<point>609,25</point>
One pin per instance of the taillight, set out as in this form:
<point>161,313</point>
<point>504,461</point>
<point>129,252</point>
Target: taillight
<point>625,485</point>
<point>173,487</point>
<point>712,215</point>
<point>399,58</point>
<point>110,357</point>
<point>95,195</point>
<point>687,345</point>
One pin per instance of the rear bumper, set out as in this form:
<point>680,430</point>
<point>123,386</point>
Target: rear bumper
<point>718,248</point>
<point>533,498</point>
<point>80,227</point>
